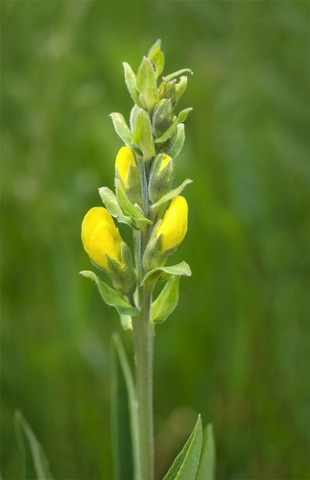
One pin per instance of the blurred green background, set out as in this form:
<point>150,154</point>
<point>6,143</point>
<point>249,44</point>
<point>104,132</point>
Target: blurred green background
<point>236,348</point>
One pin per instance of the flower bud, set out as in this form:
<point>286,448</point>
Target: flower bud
<point>167,235</point>
<point>174,224</point>
<point>161,177</point>
<point>162,117</point>
<point>100,237</point>
<point>127,171</point>
<point>106,248</point>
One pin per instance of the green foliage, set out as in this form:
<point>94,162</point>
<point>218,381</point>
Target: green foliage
<point>185,465</point>
<point>124,418</point>
<point>29,446</point>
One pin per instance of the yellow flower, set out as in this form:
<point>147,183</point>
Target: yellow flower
<point>100,236</point>
<point>174,224</point>
<point>124,159</point>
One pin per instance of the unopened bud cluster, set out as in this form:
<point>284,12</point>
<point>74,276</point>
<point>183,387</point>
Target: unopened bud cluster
<point>144,173</point>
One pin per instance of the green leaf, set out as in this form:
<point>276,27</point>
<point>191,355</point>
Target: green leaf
<point>157,57</point>
<point>146,83</point>
<point>185,465</point>
<point>131,82</point>
<point>110,200</point>
<point>206,468</point>
<point>124,415</point>
<point>183,114</point>
<point>162,273</point>
<point>128,207</point>
<point>176,74</point>
<point>177,145</point>
<point>166,301</point>
<point>121,128</point>
<point>169,132</point>
<point>40,462</point>
<point>142,135</point>
<point>180,87</point>
<point>173,193</point>
<point>112,297</point>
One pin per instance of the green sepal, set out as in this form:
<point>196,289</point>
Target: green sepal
<point>124,415</point>
<point>186,463</point>
<point>174,75</point>
<point>157,57</point>
<point>112,297</point>
<point>131,82</point>
<point>206,468</point>
<point>39,461</point>
<point>178,142</point>
<point>142,135</point>
<point>160,178</point>
<point>166,301</point>
<point>173,193</point>
<point>121,128</point>
<point>110,201</point>
<point>146,83</point>
<point>129,208</point>
<point>169,132</point>
<point>162,273</point>
<point>122,273</point>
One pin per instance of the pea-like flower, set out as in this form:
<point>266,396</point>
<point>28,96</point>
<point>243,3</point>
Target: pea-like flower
<point>174,224</point>
<point>127,172</point>
<point>100,237</point>
<point>124,160</point>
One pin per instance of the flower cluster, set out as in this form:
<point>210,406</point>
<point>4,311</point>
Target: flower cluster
<point>143,198</point>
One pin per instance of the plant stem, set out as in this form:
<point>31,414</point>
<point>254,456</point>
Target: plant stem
<point>143,335</point>
<point>143,338</point>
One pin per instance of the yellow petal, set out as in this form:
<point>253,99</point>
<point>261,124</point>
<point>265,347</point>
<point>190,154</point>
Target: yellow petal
<point>124,159</point>
<point>174,224</point>
<point>100,236</point>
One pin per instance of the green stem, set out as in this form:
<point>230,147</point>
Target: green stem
<point>143,338</point>
<point>143,335</point>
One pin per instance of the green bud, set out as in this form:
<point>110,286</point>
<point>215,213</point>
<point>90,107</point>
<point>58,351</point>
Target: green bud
<point>161,176</point>
<point>162,117</point>
<point>180,87</point>
<point>167,90</point>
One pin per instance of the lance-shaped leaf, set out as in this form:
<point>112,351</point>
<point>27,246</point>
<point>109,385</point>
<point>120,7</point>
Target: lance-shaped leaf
<point>124,415</point>
<point>166,301</point>
<point>142,135</point>
<point>206,468</point>
<point>169,132</point>
<point>39,460</point>
<point>173,75</point>
<point>173,193</point>
<point>146,83</point>
<point>162,273</point>
<point>110,200</point>
<point>183,114</point>
<point>157,57</point>
<point>112,297</point>
<point>177,145</point>
<point>121,128</point>
<point>132,210</point>
<point>131,82</point>
<point>185,465</point>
